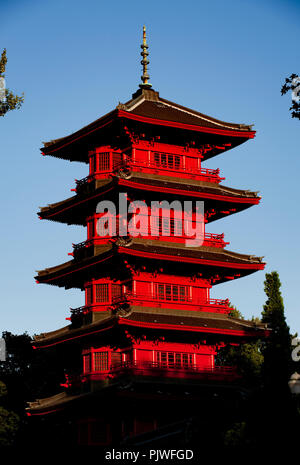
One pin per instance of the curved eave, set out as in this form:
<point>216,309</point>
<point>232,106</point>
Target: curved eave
<point>71,272</point>
<point>69,335</point>
<point>199,261</point>
<point>188,127</point>
<point>53,341</point>
<point>189,193</point>
<point>63,211</point>
<point>59,146</point>
<point>54,404</point>
<point>55,211</point>
<point>255,332</point>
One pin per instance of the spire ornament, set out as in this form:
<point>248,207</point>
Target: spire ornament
<point>145,62</point>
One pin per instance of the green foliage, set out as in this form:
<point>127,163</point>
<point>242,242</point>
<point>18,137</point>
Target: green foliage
<point>234,312</point>
<point>28,374</point>
<point>246,357</point>
<point>290,85</point>
<point>9,421</point>
<point>11,101</point>
<point>9,426</point>
<point>3,62</point>
<point>3,390</point>
<point>236,436</point>
<point>277,348</point>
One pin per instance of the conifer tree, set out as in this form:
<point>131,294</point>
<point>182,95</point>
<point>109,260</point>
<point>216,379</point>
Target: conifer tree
<point>277,348</point>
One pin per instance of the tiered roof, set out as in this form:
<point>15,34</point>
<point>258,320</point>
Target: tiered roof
<point>74,209</point>
<point>153,319</point>
<point>111,255</point>
<point>148,109</point>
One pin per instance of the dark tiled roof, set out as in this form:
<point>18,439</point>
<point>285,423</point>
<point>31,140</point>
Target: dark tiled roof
<point>68,208</point>
<point>179,250</point>
<point>148,104</point>
<point>193,186</point>
<point>145,246</point>
<point>200,321</point>
<point>169,111</point>
<point>196,321</point>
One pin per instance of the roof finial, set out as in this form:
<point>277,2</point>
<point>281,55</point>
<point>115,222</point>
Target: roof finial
<point>145,62</point>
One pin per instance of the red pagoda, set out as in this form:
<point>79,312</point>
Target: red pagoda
<point>140,355</point>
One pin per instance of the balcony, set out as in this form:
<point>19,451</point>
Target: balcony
<point>208,305</point>
<point>210,240</point>
<point>136,299</point>
<point>170,169</point>
<point>107,163</point>
<point>146,369</point>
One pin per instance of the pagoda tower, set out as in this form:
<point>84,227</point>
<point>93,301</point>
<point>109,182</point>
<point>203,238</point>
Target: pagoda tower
<point>140,354</point>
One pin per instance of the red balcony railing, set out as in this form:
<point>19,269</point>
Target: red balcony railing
<point>208,174</point>
<point>210,240</point>
<point>147,368</point>
<point>208,305</point>
<point>129,296</point>
<point>114,164</point>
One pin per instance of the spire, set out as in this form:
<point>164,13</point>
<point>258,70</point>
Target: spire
<point>145,62</point>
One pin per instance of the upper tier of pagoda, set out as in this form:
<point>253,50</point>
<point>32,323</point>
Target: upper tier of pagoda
<point>151,117</point>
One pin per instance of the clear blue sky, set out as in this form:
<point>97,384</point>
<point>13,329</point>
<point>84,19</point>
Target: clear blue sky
<point>76,60</point>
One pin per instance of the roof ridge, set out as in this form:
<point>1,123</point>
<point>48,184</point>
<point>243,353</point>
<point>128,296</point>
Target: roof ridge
<point>204,116</point>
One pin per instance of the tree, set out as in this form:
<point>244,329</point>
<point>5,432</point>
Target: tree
<point>246,357</point>
<point>293,83</point>
<point>277,348</point>
<point>28,373</point>
<point>9,421</point>
<point>234,312</point>
<point>8,101</point>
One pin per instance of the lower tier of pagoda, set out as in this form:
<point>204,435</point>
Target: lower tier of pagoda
<point>138,347</point>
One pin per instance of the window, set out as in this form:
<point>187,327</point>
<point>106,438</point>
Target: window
<point>165,160</point>
<point>161,358</point>
<point>100,361</point>
<point>116,359</point>
<point>161,291</point>
<point>168,290</point>
<point>116,291</point>
<point>172,292</point>
<point>169,226</point>
<point>102,294</point>
<point>104,161</point>
<point>174,359</point>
